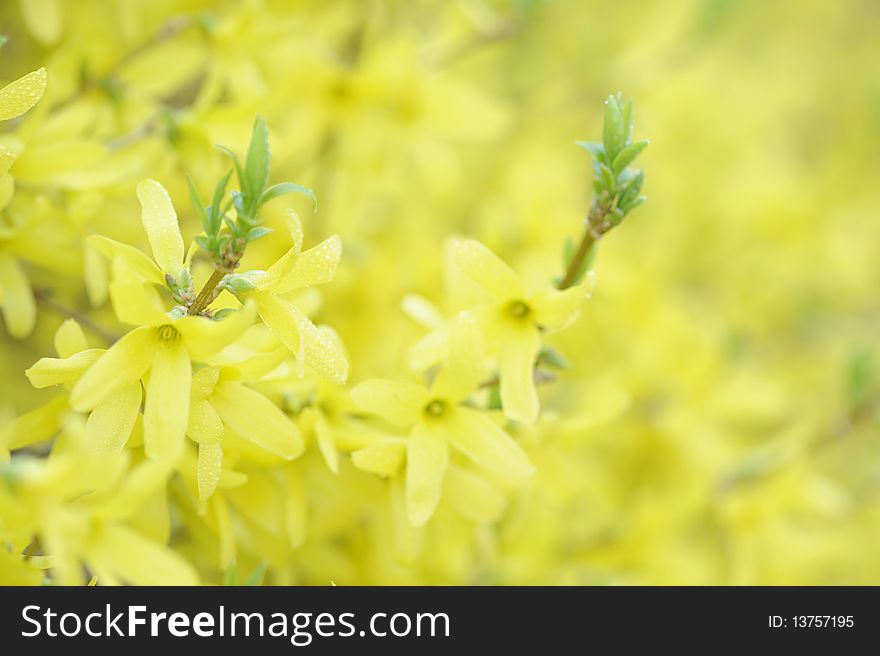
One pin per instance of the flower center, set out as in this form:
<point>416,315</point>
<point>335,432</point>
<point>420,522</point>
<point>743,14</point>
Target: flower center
<point>168,333</point>
<point>436,408</point>
<point>519,309</point>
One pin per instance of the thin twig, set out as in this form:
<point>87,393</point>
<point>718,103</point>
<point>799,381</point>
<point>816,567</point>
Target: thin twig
<point>44,298</point>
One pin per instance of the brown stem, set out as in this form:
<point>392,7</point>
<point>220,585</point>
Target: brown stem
<point>206,294</point>
<point>44,297</point>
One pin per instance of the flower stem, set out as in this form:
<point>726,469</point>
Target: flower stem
<point>596,226</point>
<point>206,294</point>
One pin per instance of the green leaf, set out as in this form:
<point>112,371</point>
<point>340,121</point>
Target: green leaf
<point>256,577</point>
<point>283,188</point>
<point>614,132</point>
<point>597,150</point>
<point>205,243</point>
<point>552,358</point>
<point>257,163</point>
<point>239,170</point>
<point>627,155</point>
<point>256,233</point>
<point>221,314</point>
<point>238,203</point>
<point>199,206</point>
<point>631,191</point>
<point>217,210</point>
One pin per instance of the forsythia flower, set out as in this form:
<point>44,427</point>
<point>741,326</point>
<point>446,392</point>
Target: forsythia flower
<point>16,299</point>
<point>297,270</point>
<point>513,323</point>
<point>437,417</point>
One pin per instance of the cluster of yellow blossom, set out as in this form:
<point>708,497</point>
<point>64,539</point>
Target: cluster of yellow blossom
<point>371,390</point>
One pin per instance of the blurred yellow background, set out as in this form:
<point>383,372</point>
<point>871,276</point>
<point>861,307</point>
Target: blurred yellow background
<point>718,423</point>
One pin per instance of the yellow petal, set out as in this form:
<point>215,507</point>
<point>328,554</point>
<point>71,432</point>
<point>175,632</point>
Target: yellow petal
<point>166,412</point>
<point>326,444</point>
<point>464,368</point>
<point>205,426</point>
<point>309,344</point>
<point>473,496</point>
<point>37,425</point>
<point>519,398</point>
<point>95,274</point>
<point>313,267</point>
<point>205,337</point>
<point>57,371</point>
<point>16,298</point>
<point>427,457</point>
<point>134,302</point>
<point>285,263</point>
<point>407,538</point>
<point>141,483</point>
<point>160,224</point>
<point>488,270</point>
<point>70,339</point>
<point>110,424</point>
<point>124,363</point>
<point>138,561</point>
<point>7,189</point>
<point>139,263</point>
<point>480,439</point>
<point>556,309</point>
<point>208,469</point>
<point>203,382</point>
<point>19,96</point>
<point>397,402</point>
<point>295,508</point>
<point>257,419</point>
<point>43,19</point>
<point>384,458</point>
<point>7,157</point>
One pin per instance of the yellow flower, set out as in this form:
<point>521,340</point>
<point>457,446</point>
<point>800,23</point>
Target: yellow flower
<point>296,270</point>
<point>437,416</point>
<point>513,323</point>
<point>16,299</point>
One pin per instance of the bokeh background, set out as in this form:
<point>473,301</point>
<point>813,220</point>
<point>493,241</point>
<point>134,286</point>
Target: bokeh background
<point>718,422</point>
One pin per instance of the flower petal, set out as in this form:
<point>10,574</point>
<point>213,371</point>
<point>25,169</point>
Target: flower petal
<point>134,302</point>
<point>110,424</point>
<point>160,224</point>
<point>397,402</point>
<point>46,372</point>
<point>204,426</point>
<point>383,458</point>
<point>205,337</point>
<point>488,270</point>
<point>315,266</point>
<point>19,96</point>
<point>257,419</point>
<point>309,344</point>
<point>486,443</point>
<point>136,560</point>
<point>16,298</point>
<point>124,363</point>
<point>556,309</point>
<point>519,398</point>
<point>285,263</point>
<point>166,412</point>
<point>464,368</point>
<point>139,263</point>
<point>70,339</point>
<point>473,496</point>
<point>326,444</point>
<point>427,457</point>
<point>208,469</point>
